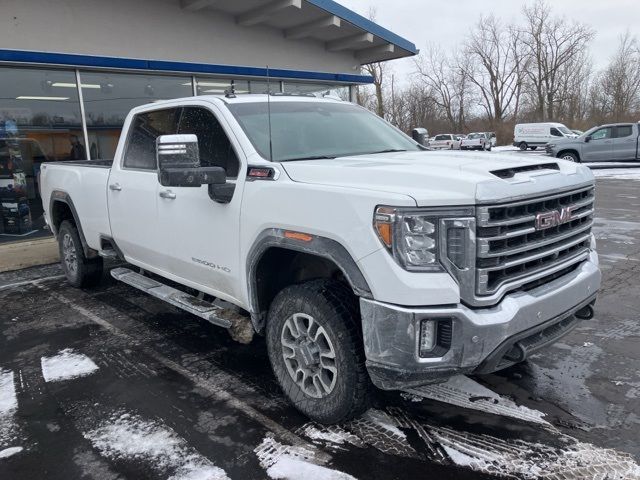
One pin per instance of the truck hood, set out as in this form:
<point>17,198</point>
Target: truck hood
<point>443,178</point>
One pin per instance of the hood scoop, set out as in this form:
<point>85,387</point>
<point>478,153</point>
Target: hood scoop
<point>511,172</point>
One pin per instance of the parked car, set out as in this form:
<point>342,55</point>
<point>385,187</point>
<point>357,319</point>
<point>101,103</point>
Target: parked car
<point>445,141</point>
<point>534,135</point>
<point>605,143</point>
<point>476,141</point>
<point>362,259</point>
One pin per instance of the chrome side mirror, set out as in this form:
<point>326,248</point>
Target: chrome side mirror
<point>178,160</point>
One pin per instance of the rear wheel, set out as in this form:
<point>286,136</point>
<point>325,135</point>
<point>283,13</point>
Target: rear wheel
<point>79,270</point>
<point>316,350</point>
<point>523,146</point>
<point>533,148</point>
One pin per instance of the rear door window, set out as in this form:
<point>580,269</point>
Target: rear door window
<point>624,131</point>
<point>145,129</point>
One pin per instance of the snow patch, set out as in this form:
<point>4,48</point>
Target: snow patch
<point>131,437</point>
<point>8,399</point>
<point>467,393</point>
<point>333,434</point>
<point>285,462</point>
<point>288,468</point>
<point>618,173</point>
<point>66,365</point>
<point>8,452</point>
<point>521,459</point>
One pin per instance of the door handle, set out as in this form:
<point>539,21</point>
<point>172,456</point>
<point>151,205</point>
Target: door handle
<point>168,194</point>
<point>115,187</point>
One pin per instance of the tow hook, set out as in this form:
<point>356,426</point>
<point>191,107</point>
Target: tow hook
<point>585,313</point>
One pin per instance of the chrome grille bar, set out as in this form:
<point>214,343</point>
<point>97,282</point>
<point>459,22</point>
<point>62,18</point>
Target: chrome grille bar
<point>512,251</point>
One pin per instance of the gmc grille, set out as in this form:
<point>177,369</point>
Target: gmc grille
<point>512,253</point>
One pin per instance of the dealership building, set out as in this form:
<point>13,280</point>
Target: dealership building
<point>70,71</point>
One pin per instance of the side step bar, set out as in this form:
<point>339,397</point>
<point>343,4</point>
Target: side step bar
<point>208,311</point>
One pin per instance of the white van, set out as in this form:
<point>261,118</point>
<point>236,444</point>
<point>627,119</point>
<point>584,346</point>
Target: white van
<point>534,135</point>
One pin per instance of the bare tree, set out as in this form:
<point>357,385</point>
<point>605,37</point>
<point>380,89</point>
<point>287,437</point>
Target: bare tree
<point>551,43</point>
<point>620,82</point>
<point>494,66</point>
<point>447,82</point>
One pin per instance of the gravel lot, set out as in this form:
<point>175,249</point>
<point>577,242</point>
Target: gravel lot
<point>111,384</point>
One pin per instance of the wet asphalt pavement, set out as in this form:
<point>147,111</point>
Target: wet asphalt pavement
<point>109,383</point>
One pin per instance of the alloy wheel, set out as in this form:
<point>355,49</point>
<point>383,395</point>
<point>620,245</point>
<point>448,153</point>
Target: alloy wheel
<point>309,355</point>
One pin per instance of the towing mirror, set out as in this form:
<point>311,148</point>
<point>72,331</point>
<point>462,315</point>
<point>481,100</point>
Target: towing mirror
<point>178,160</point>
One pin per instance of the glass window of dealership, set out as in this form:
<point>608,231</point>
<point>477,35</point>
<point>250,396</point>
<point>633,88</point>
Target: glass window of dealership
<point>55,114</point>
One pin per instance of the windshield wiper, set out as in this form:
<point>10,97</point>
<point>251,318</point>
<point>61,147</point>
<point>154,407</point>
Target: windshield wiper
<point>313,157</point>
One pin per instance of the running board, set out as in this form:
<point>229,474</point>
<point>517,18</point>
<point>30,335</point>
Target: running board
<point>210,312</point>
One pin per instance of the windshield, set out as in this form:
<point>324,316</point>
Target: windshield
<point>305,130</point>
<point>472,136</point>
<point>565,130</point>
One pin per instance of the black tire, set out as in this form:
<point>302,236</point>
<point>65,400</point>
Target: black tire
<point>572,157</point>
<point>334,307</point>
<point>523,146</point>
<point>87,272</point>
<point>533,148</point>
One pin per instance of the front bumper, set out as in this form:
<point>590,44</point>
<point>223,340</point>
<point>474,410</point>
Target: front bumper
<point>482,340</point>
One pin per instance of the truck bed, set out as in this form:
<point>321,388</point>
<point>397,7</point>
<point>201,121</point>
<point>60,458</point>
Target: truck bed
<point>87,187</point>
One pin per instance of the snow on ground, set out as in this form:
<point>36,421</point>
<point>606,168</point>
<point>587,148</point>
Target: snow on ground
<point>128,436</point>
<point>8,452</point>
<point>284,462</point>
<point>8,399</point>
<point>522,459</point>
<point>8,406</point>
<point>381,419</point>
<point>467,393</point>
<point>618,173</point>
<point>333,434</point>
<point>66,365</point>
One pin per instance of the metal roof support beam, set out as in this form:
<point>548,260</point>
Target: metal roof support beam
<point>350,43</point>
<point>263,13</point>
<point>307,29</point>
<point>194,5</point>
<point>373,54</point>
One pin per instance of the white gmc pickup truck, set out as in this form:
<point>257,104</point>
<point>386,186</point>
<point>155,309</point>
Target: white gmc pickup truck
<point>363,259</point>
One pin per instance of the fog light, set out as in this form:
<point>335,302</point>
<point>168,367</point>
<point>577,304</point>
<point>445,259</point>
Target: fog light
<point>427,336</point>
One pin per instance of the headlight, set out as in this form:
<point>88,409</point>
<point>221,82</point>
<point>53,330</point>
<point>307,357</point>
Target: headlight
<point>420,239</point>
<point>551,145</point>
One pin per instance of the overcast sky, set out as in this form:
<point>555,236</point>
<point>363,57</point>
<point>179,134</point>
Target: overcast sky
<point>447,22</point>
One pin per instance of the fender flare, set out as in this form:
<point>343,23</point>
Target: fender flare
<point>63,197</point>
<point>320,246</point>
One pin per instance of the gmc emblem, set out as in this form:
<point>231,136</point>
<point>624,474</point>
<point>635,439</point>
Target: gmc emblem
<point>553,219</point>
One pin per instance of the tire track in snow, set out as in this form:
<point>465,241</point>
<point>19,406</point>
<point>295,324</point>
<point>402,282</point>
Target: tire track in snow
<point>464,392</point>
<point>213,388</point>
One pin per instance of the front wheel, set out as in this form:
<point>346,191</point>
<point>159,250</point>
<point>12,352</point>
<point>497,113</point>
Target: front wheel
<point>572,157</point>
<point>316,352</point>
<point>533,148</point>
<point>523,146</point>
<point>79,270</point>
